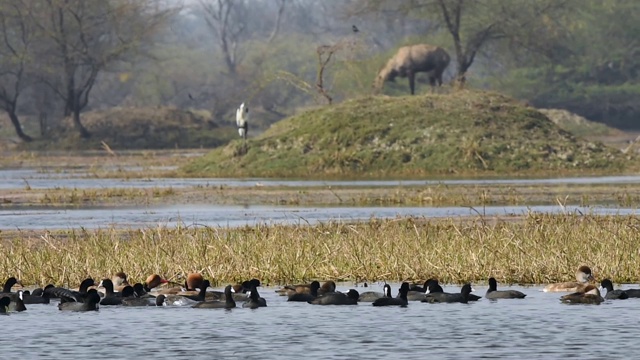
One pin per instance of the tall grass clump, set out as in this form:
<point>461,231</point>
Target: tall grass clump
<point>537,249</point>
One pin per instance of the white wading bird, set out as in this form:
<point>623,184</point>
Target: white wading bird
<point>242,120</point>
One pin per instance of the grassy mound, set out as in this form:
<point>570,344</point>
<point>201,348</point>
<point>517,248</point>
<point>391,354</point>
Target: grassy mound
<point>138,128</point>
<point>577,124</point>
<point>465,132</point>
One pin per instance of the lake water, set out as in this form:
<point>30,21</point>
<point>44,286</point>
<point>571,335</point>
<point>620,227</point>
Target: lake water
<point>538,327</point>
<point>19,178</point>
<point>234,216</point>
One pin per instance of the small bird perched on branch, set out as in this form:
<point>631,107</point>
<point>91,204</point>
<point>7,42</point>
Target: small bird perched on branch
<point>242,120</point>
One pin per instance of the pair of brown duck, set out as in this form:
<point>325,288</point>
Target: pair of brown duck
<point>583,292</point>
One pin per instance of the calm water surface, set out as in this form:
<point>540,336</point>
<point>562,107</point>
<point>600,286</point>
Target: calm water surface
<point>19,178</point>
<point>538,327</point>
<point>234,216</point>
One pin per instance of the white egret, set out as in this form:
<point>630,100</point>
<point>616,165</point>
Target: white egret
<point>242,120</point>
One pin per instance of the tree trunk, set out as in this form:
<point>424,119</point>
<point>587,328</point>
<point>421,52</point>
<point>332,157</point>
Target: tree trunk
<point>16,124</point>
<point>84,133</point>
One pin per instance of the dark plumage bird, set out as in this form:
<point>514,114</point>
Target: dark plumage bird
<point>17,302</point>
<point>337,298</point>
<point>493,293</point>
<point>254,301</point>
<point>91,303</point>
<point>191,97</point>
<point>633,293</point>
<point>464,296</point>
<point>613,294</point>
<point>6,289</point>
<point>5,301</point>
<point>111,297</point>
<point>399,301</point>
<point>38,296</point>
<point>229,303</point>
<point>202,294</point>
<point>591,295</point>
<point>371,296</point>
<point>354,28</point>
<point>67,295</point>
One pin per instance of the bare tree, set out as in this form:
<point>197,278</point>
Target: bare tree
<point>14,57</point>
<point>228,21</point>
<point>81,38</point>
<point>276,26</point>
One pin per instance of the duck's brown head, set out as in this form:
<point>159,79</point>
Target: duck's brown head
<point>154,280</point>
<point>194,281</point>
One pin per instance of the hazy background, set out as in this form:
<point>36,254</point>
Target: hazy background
<point>68,57</point>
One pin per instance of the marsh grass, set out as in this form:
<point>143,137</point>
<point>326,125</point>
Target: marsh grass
<point>533,249</point>
<point>624,195</point>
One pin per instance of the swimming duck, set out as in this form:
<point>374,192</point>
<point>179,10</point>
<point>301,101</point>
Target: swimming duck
<point>288,290</point>
<point>147,300</point>
<point>613,294</point>
<point>194,281</point>
<point>5,301</point>
<point>255,301</point>
<point>313,293</point>
<point>371,296</point>
<point>17,302</point>
<point>337,298</point>
<point>91,303</point>
<point>464,296</point>
<point>229,303</point>
<point>583,276</point>
<point>10,283</point>
<point>389,301</point>
<point>38,296</point>
<point>67,295</point>
<point>110,297</point>
<point>153,281</point>
<point>633,293</point>
<point>591,295</point>
<point>493,293</point>
<point>119,280</point>
<point>202,292</point>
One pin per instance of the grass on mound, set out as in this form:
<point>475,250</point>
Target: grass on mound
<point>577,124</point>
<point>138,128</point>
<point>537,249</point>
<point>465,132</point>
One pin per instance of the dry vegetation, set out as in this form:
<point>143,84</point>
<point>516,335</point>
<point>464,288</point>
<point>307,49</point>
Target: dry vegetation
<point>622,195</point>
<point>536,249</point>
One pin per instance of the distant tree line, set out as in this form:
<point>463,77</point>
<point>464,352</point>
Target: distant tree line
<point>61,57</point>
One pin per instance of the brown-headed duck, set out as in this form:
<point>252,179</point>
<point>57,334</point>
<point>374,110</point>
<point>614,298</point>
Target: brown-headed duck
<point>153,281</point>
<point>590,295</point>
<point>288,290</point>
<point>304,297</point>
<point>583,276</point>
